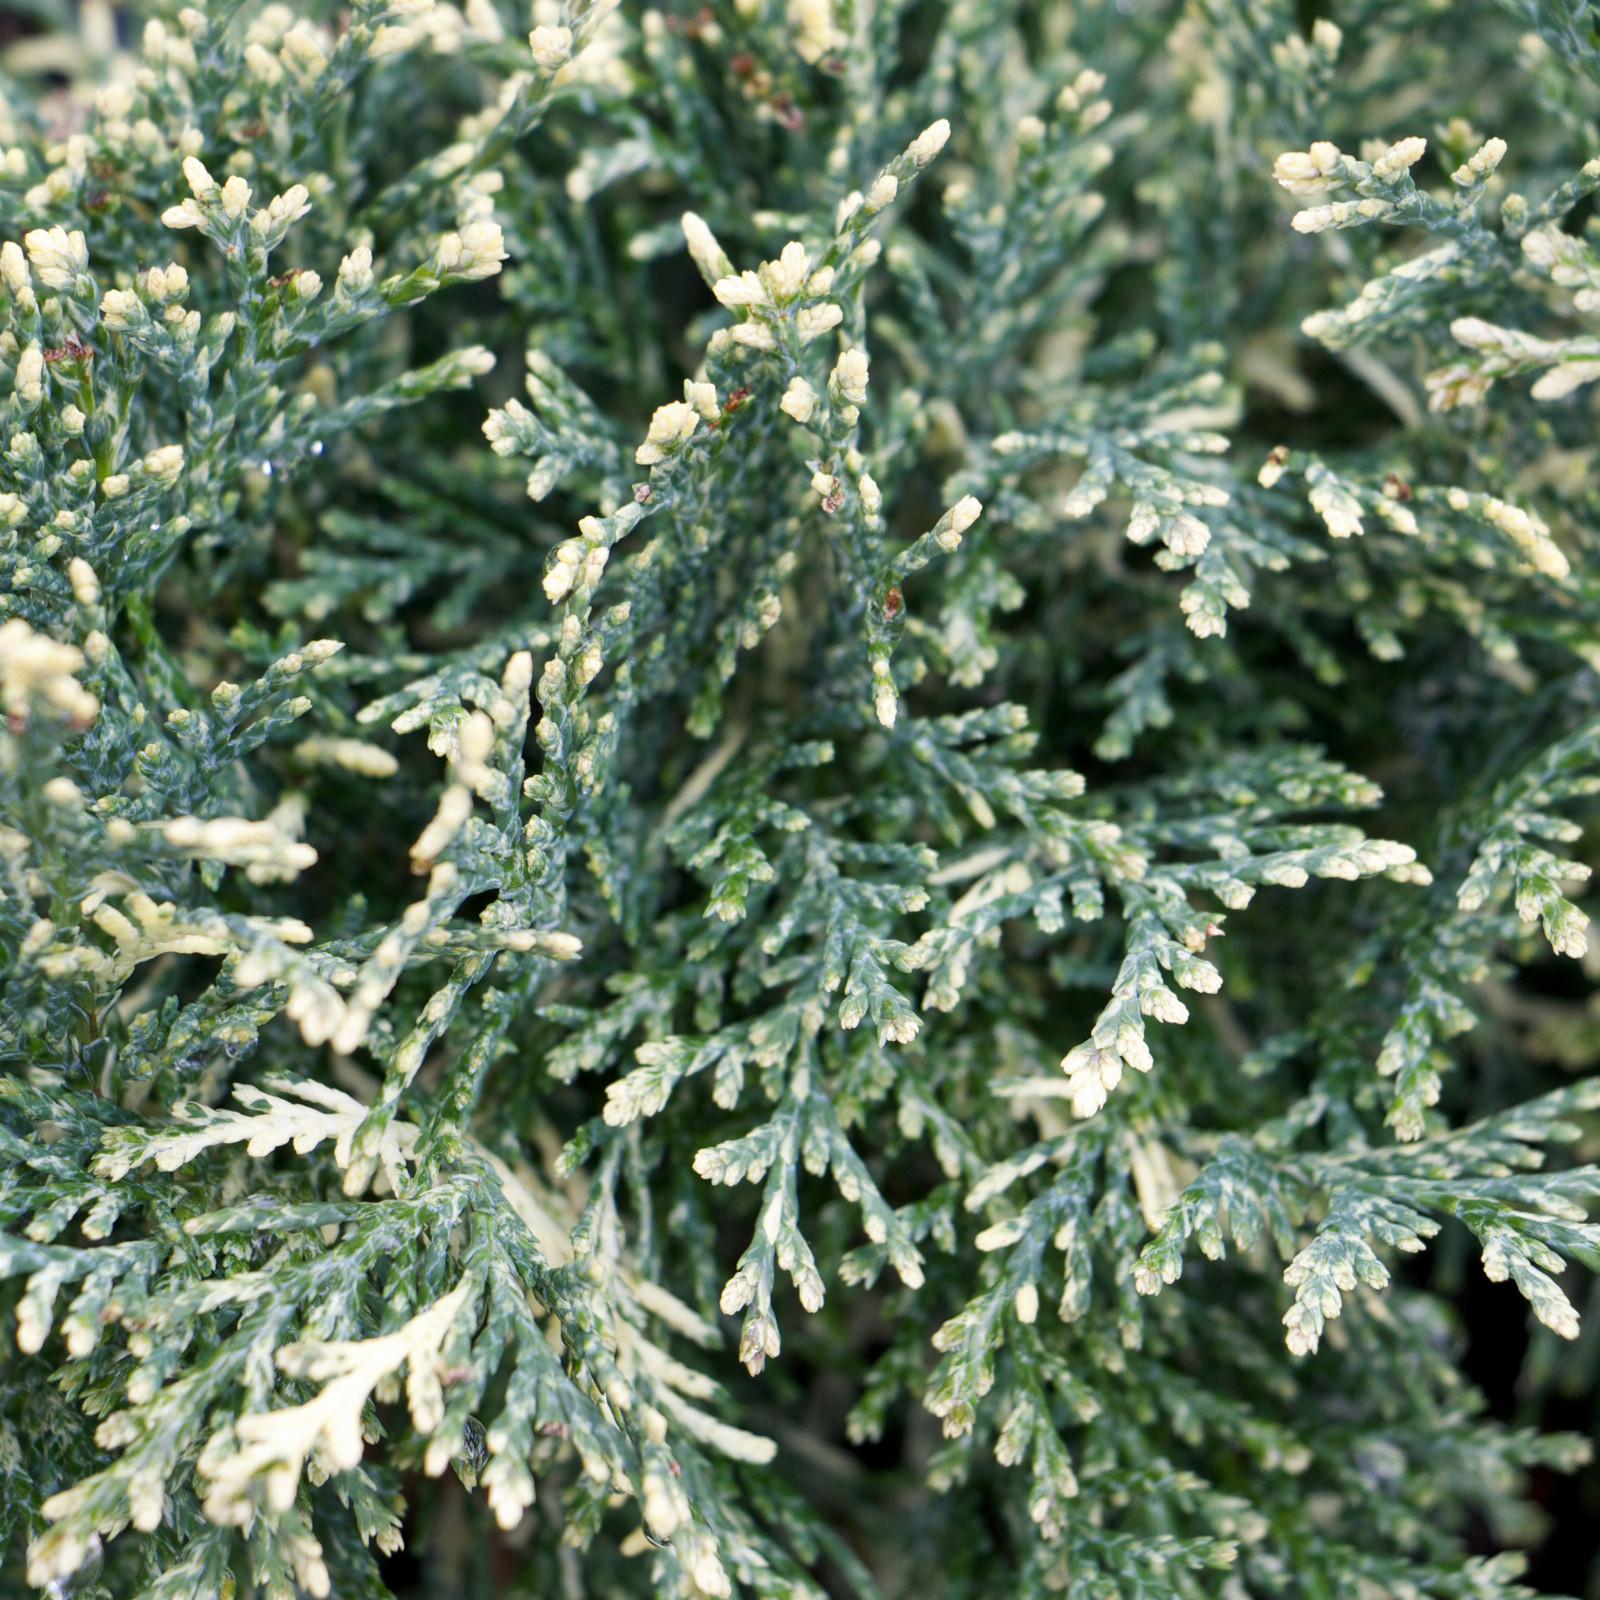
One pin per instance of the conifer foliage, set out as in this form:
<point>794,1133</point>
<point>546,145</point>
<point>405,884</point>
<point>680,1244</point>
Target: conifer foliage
<point>784,784</point>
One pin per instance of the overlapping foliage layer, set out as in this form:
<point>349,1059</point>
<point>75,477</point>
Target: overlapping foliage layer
<point>645,654</point>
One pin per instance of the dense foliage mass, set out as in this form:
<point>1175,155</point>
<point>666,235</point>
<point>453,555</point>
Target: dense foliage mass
<point>644,654</point>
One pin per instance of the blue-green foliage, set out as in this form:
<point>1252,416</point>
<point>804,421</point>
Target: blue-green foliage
<point>643,664</point>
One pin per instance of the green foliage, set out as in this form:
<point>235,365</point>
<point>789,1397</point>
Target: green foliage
<point>642,665</point>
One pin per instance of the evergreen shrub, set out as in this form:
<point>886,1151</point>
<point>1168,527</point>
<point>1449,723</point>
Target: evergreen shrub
<point>644,655</point>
